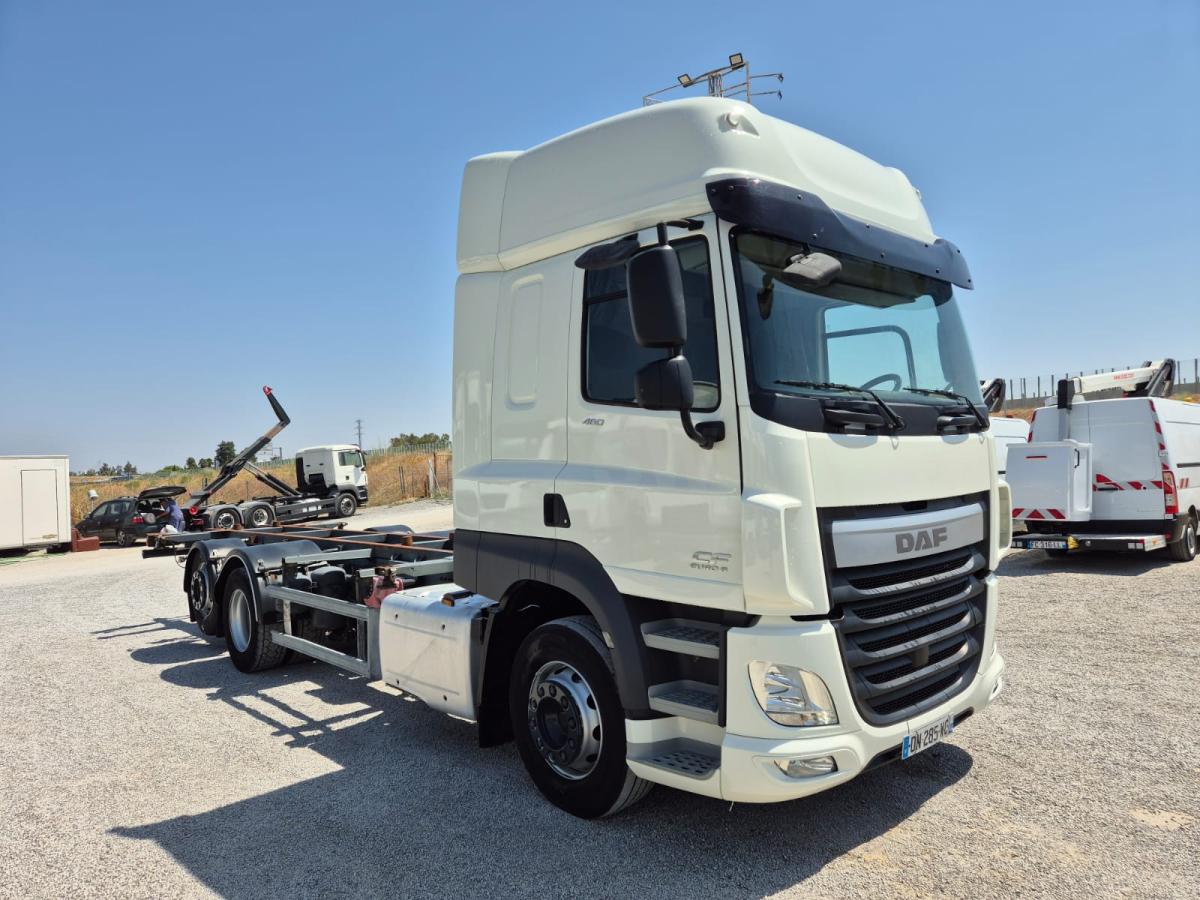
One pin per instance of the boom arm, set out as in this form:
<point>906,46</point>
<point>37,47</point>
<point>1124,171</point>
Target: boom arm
<point>1150,379</point>
<point>245,460</point>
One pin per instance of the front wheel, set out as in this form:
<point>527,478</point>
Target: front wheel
<point>347,505</point>
<point>248,641</point>
<point>1184,549</point>
<point>568,722</point>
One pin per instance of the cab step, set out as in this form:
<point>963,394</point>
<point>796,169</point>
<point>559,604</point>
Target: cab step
<point>687,699</point>
<point>684,636</point>
<point>680,756</point>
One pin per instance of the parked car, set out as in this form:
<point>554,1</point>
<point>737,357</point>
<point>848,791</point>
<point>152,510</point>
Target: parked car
<point>127,520</point>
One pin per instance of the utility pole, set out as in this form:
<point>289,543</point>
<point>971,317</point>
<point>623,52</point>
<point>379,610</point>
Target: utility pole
<point>358,429</point>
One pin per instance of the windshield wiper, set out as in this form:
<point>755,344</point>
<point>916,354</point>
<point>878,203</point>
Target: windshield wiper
<point>961,398</point>
<point>894,420</point>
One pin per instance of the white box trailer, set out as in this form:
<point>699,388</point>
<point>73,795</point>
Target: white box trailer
<point>35,502</point>
<point>1115,474</point>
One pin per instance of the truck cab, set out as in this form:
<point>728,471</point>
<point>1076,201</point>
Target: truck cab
<point>332,468</point>
<point>712,392</point>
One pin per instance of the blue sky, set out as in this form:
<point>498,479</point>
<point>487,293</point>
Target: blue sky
<point>198,199</point>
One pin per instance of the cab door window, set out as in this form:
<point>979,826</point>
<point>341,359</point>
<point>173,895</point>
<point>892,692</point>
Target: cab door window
<point>611,356</point>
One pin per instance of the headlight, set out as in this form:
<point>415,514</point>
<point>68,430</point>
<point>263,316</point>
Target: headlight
<point>791,696</point>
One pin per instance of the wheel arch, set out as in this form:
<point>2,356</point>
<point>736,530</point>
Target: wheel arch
<point>566,580</point>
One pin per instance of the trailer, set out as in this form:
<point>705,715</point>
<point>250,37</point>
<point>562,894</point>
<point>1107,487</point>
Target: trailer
<point>1120,473</point>
<point>726,515</point>
<point>35,502</point>
<point>331,480</point>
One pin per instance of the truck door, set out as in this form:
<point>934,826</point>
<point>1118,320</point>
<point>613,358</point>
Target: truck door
<point>660,513</point>
<point>39,506</point>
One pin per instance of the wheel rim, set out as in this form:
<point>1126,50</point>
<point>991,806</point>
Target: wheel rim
<point>122,539</point>
<point>260,517</point>
<point>346,506</point>
<point>239,620</point>
<point>224,520</point>
<point>564,720</point>
<point>198,594</point>
<point>1189,537</point>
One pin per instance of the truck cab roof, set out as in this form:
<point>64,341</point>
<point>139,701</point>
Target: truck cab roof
<point>633,170</point>
<point>321,447</point>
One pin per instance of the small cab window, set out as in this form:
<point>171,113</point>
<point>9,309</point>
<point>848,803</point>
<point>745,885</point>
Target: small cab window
<point>611,356</point>
<point>350,458</point>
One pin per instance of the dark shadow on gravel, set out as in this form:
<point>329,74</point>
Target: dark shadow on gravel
<point>1026,563</point>
<point>418,809</point>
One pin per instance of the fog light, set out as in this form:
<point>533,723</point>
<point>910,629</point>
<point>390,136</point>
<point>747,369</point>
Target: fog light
<point>791,696</point>
<point>807,768</point>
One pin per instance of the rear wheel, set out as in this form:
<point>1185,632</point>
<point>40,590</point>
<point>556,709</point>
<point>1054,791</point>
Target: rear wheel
<point>1184,549</point>
<point>226,519</point>
<point>568,722</point>
<point>248,641</point>
<point>347,505</point>
<point>260,517</point>
<point>124,538</point>
<point>202,603</point>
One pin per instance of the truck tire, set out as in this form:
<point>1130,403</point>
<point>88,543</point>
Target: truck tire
<point>202,603</point>
<point>260,516</point>
<point>226,519</point>
<point>568,721</point>
<point>347,505</point>
<point>249,643</point>
<point>1184,549</point>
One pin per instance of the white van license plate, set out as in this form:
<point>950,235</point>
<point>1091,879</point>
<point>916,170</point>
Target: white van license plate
<point>926,737</point>
<point>1047,545</point>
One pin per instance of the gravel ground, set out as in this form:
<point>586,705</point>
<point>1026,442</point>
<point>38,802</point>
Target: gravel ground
<point>137,762</point>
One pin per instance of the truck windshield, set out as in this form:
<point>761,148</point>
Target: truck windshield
<point>876,327</point>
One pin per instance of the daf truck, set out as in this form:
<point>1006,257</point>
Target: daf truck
<point>726,509</point>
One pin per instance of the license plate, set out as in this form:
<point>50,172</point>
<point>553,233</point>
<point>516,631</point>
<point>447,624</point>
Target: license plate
<point>926,737</point>
<point>1047,545</point>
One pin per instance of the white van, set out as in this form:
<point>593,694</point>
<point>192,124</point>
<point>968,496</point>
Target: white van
<point>1119,474</point>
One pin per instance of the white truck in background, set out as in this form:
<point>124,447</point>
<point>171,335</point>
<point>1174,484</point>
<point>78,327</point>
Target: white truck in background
<point>1111,474</point>
<point>35,502</point>
<point>1006,430</point>
<point>726,513</point>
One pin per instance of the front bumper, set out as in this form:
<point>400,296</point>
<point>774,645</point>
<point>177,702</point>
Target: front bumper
<point>749,775</point>
<point>750,742</point>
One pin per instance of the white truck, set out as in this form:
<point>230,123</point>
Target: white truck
<point>1111,474</point>
<point>35,502</point>
<point>726,515</point>
<point>331,480</point>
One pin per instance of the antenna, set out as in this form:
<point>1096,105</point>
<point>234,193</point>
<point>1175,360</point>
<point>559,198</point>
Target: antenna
<point>715,80</point>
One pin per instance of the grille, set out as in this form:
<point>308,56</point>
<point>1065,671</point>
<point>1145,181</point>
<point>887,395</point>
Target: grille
<point>899,576</point>
<point>909,649</point>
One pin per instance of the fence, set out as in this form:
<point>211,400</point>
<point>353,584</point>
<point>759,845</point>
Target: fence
<point>1040,387</point>
<point>410,471</point>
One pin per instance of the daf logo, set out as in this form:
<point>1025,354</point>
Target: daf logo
<point>924,539</point>
<point>709,561</point>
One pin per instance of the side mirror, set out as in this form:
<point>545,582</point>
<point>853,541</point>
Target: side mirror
<point>667,384</point>
<point>656,305</point>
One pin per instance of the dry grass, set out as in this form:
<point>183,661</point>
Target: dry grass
<point>394,477</point>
